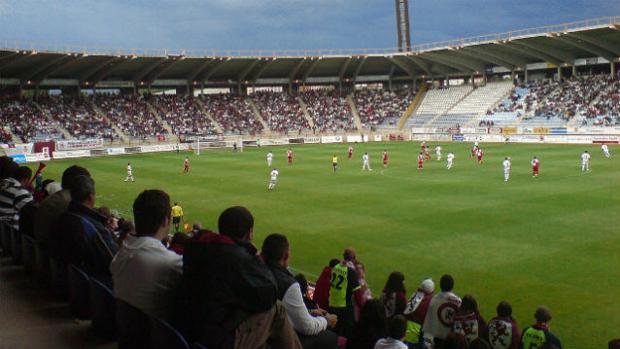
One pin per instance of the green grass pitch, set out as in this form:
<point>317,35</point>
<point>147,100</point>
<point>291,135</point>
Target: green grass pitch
<point>552,240</point>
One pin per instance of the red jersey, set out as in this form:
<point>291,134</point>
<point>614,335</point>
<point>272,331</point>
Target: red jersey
<point>535,164</point>
<point>289,154</point>
<point>480,154</point>
<point>385,156</point>
<point>186,163</point>
<point>350,152</point>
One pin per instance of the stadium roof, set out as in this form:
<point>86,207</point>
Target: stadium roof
<point>595,40</point>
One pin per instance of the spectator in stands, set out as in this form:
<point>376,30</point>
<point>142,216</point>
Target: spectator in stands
<point>323,284</point>
<point>364,291</point>
<point>468,321</point>
<point>125,227</point>
<point>439,318</point>
<point>418,304</point>
<point>232,294</point>
<point>503,330</point>
<point>52,207</point>
<point>146,274</point>
<point>82,236</point>
<point>453,341</point>
<point>371,327</point>
<point>305,292</point>
<point>397,328</point>
<point>14,195</point>
<point>394,296</point>
<point>344,286</point>
<point>312,327</point>
<point>7,166</point>
<point>539,335</point>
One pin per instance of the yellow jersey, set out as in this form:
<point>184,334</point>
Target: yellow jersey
<point>177,211</point>
<point>335,160</point>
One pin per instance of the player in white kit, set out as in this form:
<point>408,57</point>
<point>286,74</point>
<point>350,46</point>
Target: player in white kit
<point>507,166</point>
<point>450,160</point>
<point>269,158</point>
<point>585,161</point>
<point>274,177</point>
<point>129,173</point>
<point>438,152</point>
<point>605,150</point>
<point>366,161</point>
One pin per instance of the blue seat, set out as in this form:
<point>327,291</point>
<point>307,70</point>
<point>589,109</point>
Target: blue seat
<point>132,327</point>
<point>164,336</point>
<point>103,309</point>
<point>28,253</point>
<point>58,278</point>
<point>79,292</point>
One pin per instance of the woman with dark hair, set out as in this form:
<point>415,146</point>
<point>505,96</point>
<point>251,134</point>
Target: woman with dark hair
<point>394,296</point>
<point>468,321</point>
<point>371,327</point>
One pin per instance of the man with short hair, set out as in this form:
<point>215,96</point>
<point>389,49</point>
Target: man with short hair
<point>344,287</point>
<point>311,327</point>
<point>366,162</point>
<point>503,330</point>
<point>177,216</point>
<point>585,161</point>
<point>440,315</point>
<point>507,167</point>
<point>539,335</point>
<point>83,238</point>
<point>145,273</point>
<point>232,294</point>
<point>14,196</point>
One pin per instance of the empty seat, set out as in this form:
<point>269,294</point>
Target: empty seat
<point>164,336</point>
<point>79,292</point>
<point>132,327</point>
<point>103,309</point>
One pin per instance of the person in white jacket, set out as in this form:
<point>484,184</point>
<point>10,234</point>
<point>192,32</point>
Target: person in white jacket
<point>311,326</point>
<point>144,272</point>
<point>440,315</point>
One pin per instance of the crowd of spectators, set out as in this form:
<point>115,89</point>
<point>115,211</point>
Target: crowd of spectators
<point>232,113</point>
<point>76,115</point>
<point>329,110</point>
<point>220,291</point>
<point>377,107</point>
<point>184,115</point>
<point>281,111</point>
<point>24,119</point>
<point>131,115</point>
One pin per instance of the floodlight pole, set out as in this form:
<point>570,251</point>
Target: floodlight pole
<point>402,25</point>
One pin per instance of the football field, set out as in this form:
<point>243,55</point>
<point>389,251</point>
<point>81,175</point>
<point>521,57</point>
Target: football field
<point>553,240</point>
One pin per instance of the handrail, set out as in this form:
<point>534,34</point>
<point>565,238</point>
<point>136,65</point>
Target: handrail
<point>14,45</point>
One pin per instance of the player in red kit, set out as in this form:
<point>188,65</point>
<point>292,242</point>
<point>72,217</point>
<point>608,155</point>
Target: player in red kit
<point>350,152</point>
<point>480,155</point>
<point>385,158</point>
<point>421,161</point>
<point>289,155</point>
<point>535,167</point>
<point>186,165</point>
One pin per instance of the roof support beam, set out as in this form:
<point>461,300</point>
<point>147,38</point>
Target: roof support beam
<point>398,63</point>
<point>101,70</point>
<point>578,43</point>
<point>262,69</point>
<point>487,58</point>
<point>499,56</point>
<point>359,68</point>
<point>160,70</point>
<point>309,70</point>
<point>12,58</point>
<point>597,42</point>
<point>295,70</point>
<point>241,76</point>
<point>435,58</point>
<point>207,74</point>
<point>45,68</point>
<point>201,68</point>
<point>422,64</point>
<point>551,56</point>
<point>148,69</point>
<point>343,68</point>
<point>474,64</point>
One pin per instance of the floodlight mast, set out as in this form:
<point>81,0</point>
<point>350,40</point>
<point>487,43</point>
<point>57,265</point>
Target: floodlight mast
<point>402,25</point>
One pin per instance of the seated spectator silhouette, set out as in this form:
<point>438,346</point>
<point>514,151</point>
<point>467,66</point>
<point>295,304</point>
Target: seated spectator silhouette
<point>82,236</point>
<point>14,195</point>
<point>397,328</point>
<point>539,335</point>
<point>311,327</point>
<point>468,321</point>
<point>323,283</point>
<point>440,316</point>
<point>394,296</point>
<point>371,326</point>
<point>503,330</point>
<point>231,294</point>
<point>145,273</point>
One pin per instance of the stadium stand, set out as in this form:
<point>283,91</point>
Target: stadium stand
<point>437,102</point>
<point>381,107</point>
<point>183,115</point>
<point>25,121</point>
<point>76,115</point>
<point>131,115</point>
<point>329,110</point>
<point>281,111</point>
<point>233,113</point>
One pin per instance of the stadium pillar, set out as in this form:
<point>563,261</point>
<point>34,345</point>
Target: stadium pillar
<point>447,81</point>
<point>526,75</point>
<point>613,68</point>
<point>574,70</point>
<point>559,76</point>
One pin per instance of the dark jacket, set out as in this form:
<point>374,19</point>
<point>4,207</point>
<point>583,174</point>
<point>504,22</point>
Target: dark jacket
<point>224,282</point>
<point>81,238</point>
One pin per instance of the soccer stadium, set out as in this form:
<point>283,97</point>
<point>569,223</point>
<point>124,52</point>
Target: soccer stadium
<point>456,193</point>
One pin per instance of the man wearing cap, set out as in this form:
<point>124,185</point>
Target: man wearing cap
<point>539,335</point>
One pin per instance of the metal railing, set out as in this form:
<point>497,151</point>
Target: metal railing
<point>13,45</point>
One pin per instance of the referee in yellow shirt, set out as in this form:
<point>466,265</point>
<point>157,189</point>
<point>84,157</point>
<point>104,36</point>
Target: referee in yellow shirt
<point>335,163</point>
<point>177,216</point>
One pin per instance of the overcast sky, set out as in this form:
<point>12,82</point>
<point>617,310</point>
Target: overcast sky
<point>274,24</point>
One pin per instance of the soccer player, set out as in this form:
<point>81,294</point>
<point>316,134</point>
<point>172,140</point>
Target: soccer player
<point>366,162</point>
<point>129,173</point>
<point>186,165</point>
<point>605,150</point>
<point>479,155</point>
<point>507,166</point>
<point>269,158</point>
<point>350,152</point>
<point>177,216</point>
<point>450,160</point>
<point>438,152</point>
<point>274,177</point>
<point>335,162</point>
<point>585,161</point>
<point>420,161</point>
<point>474,149</point>
<point>535,166</point>
<point>385,158</point>
<point>289,155</point>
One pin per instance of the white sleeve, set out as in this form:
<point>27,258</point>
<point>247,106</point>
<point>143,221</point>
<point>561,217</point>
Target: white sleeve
<point>296,310</point>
